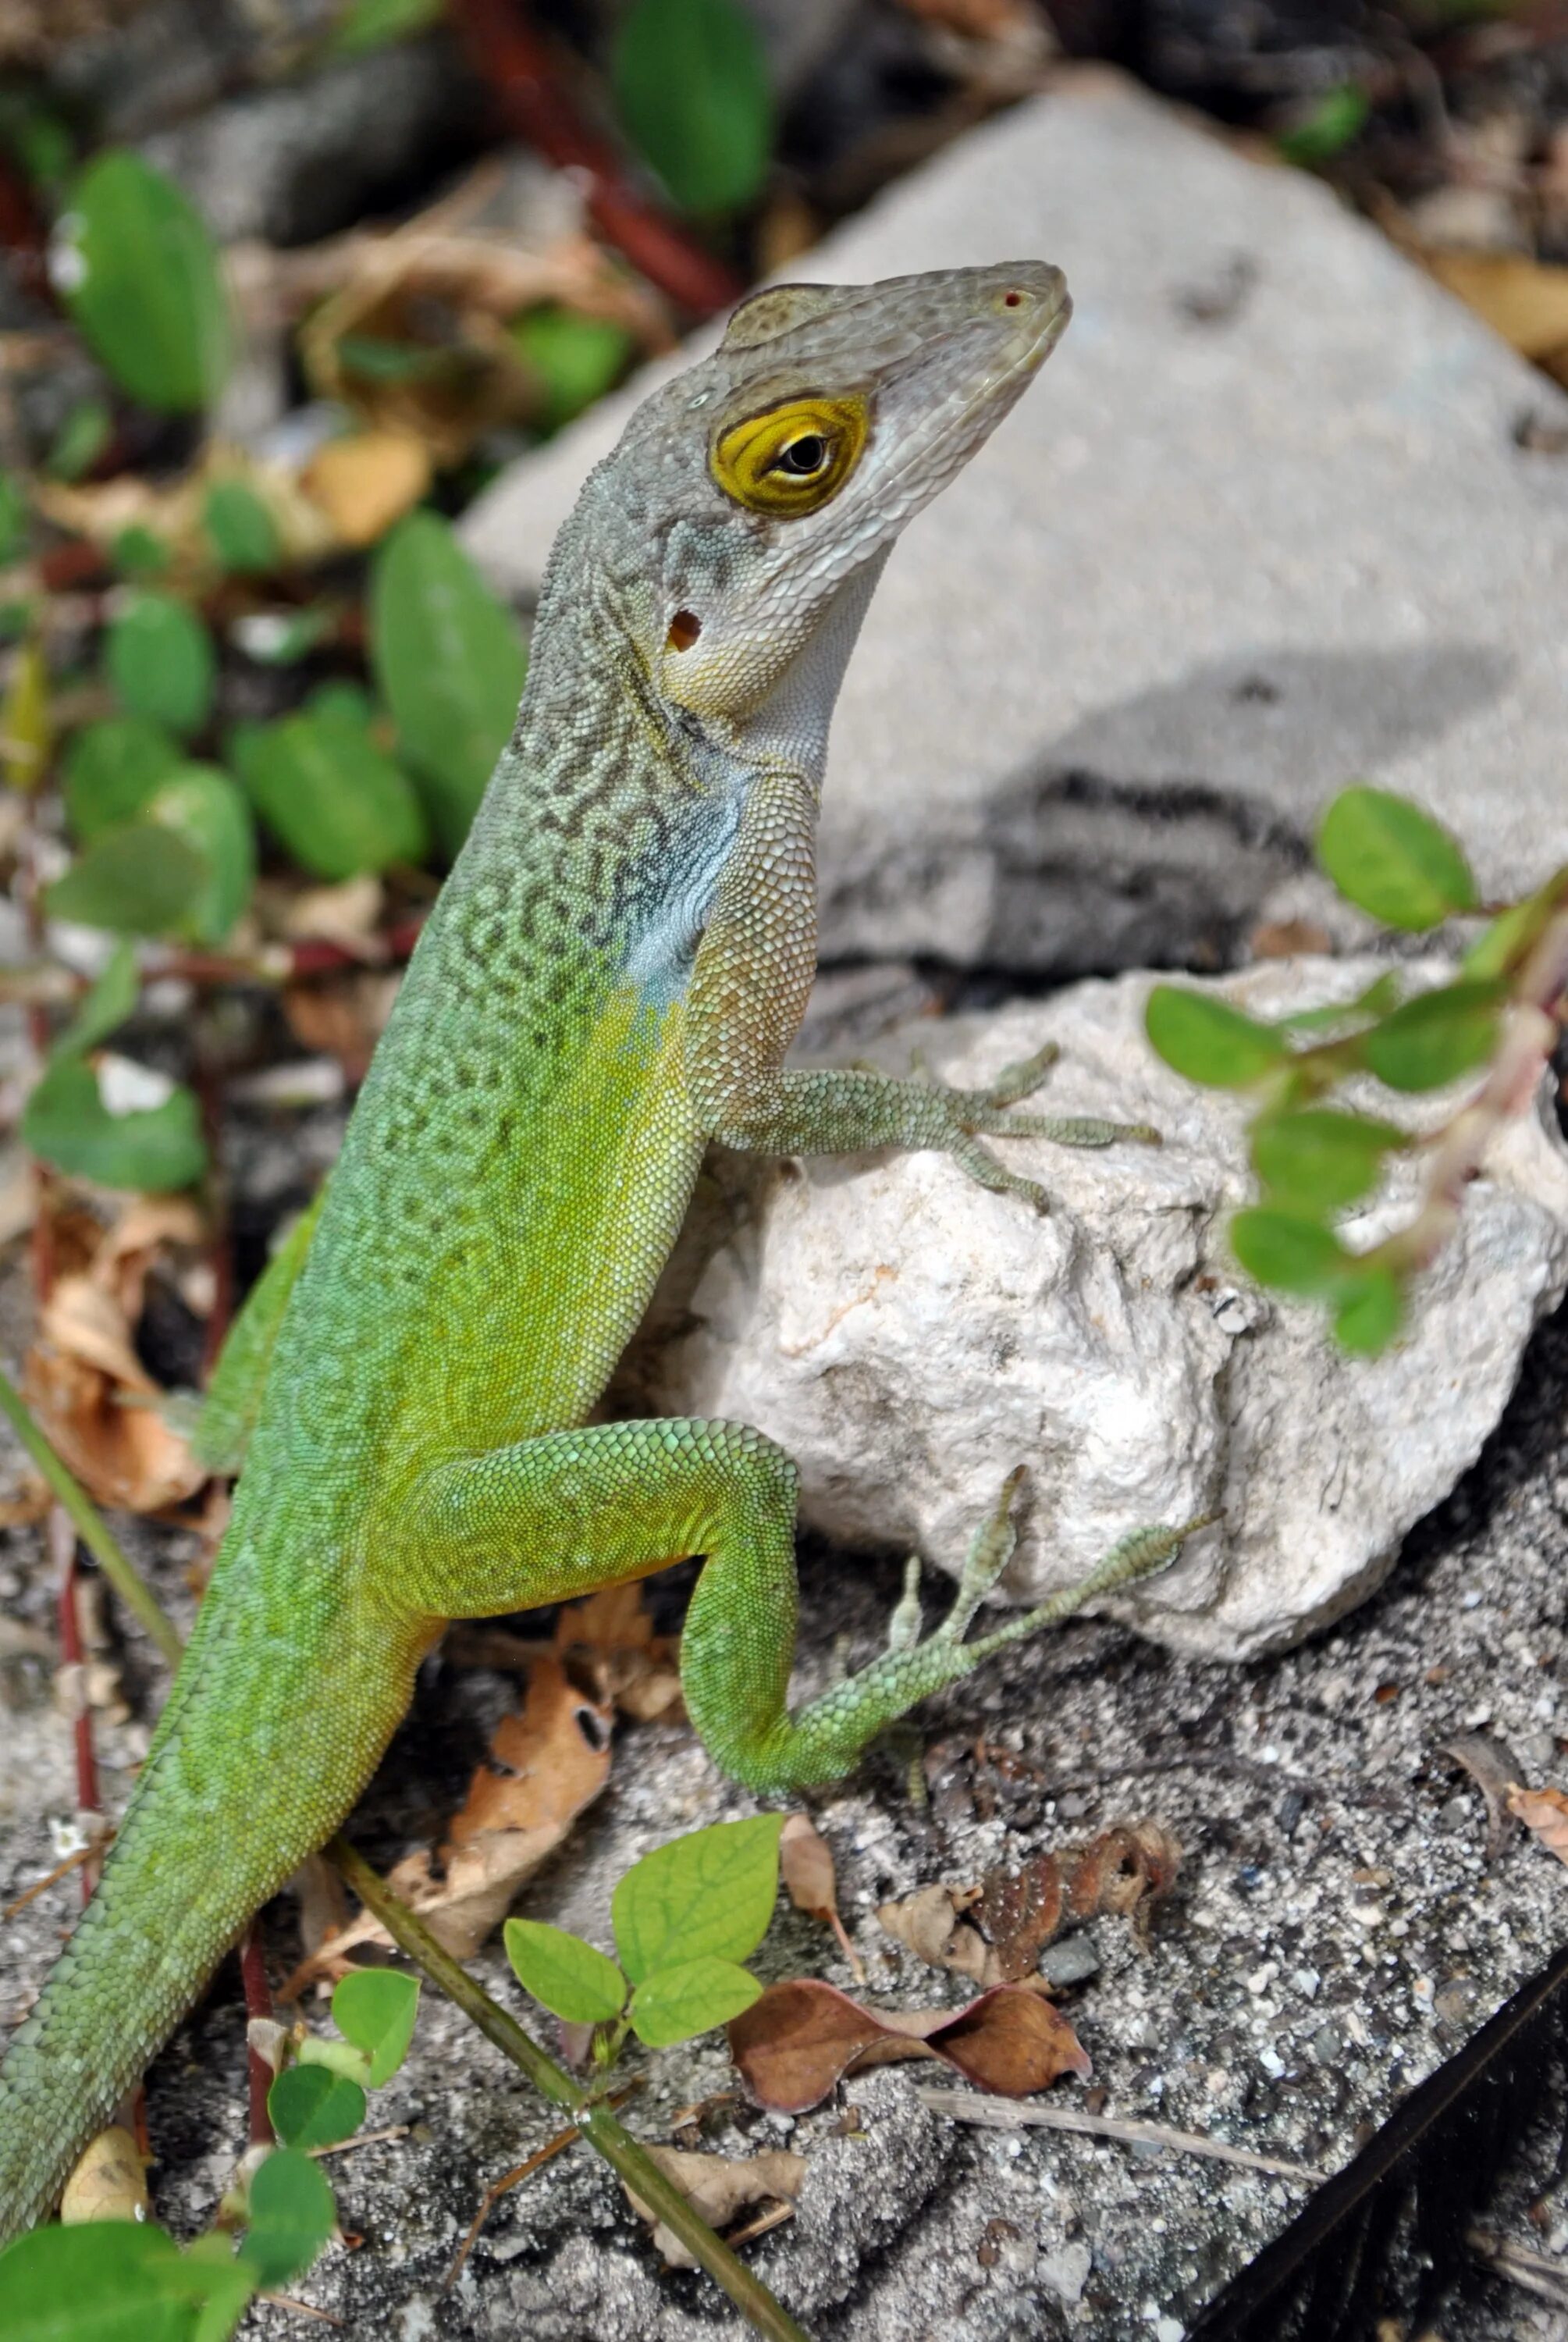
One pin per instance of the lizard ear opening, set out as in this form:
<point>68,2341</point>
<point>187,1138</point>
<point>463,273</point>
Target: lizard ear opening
<point>684,628</point>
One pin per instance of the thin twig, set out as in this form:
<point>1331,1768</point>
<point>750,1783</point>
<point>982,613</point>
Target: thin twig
<point>61,1870</point>
<point>363,2138</point>
<point>301,2308</point>
<point>1532,2272</point>
<point>591,2116</point>
<point>515,63</point>
<point>1005,2114</point>
<point>515,2178</point>
<point>258,2003</point>
<point>110,1556</point>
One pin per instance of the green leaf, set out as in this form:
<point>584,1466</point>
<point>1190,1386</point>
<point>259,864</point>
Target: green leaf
<point>1500,947</point>
<point>105,1007</point>
<point>450,664</point>
<point>1382,995</point>
<point>113,769</point>
<point>337,802</point>
<point>567,1975</point>
<point>154,1150</point>
<point>1288,1251</point>
<point>204,808</point>
<point>691,83</point>
<point>160,660</point>
<point>1337,117</point>
<point>311,2107</point>
<point>375,2009</point>
<point>1207,1040</point>
<point>1435,1038</point>
<point>1388,857</point>
<point>710,1894</point>
<point>674,2003</point>
<point>1367,1317</point>
<point>13,519</point>
<point>140,879</point>
<point>138,553</point>
<point>84,434</point>
<point>374,24</point>
<point>239,527</point>
<point>1320,1160</point>
<point>135,266</point>
<point>292,2215</point>
<point>117,2281</point>
<point>575,359</point>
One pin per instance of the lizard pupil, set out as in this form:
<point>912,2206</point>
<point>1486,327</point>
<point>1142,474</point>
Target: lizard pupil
<point>804,456</point>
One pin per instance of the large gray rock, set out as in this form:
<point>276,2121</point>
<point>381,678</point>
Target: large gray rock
<point>909,1338</point>
<point>1262,528</point>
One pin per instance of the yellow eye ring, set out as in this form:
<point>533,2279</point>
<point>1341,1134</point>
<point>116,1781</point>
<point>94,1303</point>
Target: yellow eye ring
<point>794,458</point>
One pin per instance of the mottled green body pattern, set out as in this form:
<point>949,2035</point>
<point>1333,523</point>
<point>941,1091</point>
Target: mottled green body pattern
<point>612,976</point>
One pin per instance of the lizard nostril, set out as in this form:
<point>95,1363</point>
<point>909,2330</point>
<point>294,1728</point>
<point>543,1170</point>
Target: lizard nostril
<point>684,628</point>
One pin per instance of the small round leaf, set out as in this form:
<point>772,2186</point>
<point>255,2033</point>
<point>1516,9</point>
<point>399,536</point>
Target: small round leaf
<point>563,1974</point>
<point>1207,1040</point>
<point>311,2107</point>
<point>1390,858</point>
<point>711,1893</point>
<point>674,2004</point>
<point>1320,1160</point>
<point>1287,1251</point>
<point>160,661</point>
<point>376,2009</point>
<point>112,768</point>
<point>1367,1316</point>
<point>1435,1038</point>
<point>292,2215</point>
<point>134,263</point>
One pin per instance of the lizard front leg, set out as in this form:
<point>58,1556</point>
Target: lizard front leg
<point>553,1517</point>
<point>748,993</point>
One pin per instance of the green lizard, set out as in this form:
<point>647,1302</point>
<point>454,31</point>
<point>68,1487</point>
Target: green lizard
<point>611,977</point>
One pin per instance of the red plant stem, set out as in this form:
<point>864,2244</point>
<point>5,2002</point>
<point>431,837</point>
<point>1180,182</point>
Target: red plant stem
<point>23,236</point>
<point>62,1554</point>
<point>258,2003</point>
<point>512,58</point>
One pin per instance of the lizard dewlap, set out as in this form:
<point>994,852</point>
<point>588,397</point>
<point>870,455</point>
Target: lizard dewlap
<point>611,978</point>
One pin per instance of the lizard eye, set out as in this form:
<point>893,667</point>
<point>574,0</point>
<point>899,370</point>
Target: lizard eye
<point>794,458</point>
<point>805,457</point>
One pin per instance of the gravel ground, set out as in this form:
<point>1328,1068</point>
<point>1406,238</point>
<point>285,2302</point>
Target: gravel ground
<point>1336,1933</point>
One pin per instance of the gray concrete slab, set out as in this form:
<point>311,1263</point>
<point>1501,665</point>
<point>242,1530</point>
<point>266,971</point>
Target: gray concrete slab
<point>1261,528</point>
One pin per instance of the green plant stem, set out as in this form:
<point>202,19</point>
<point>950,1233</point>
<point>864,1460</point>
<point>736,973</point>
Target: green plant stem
<point>88,1522</point>
<point>592,2116</point>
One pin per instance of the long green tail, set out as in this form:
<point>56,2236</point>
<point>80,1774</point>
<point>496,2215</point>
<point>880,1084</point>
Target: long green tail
<point>236,1791</point>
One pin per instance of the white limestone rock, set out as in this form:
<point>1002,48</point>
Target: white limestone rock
<point>1262,528</point>
<point>909,1338</point>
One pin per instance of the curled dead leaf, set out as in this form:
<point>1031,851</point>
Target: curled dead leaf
<point>543,1767</point>
<point>1494,1769</point>
<point>996,1931</point>
<point>719,2187</point>
<point>802,2036</point>
<point>611,1636</point>
<point>805,1866</point>
<point>92,1397</point>
<point>109,2181</point>
<point>1544,1813</point>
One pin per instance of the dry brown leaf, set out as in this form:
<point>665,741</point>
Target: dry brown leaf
<point>79,1374</point>
<point>109,2181</point>
<point>342,1019</point>
<point>805,1865</point>
<point>633,1667</point>
<point>345,914</point>
<point>1494,1768</point>
<point>1544,1813</point>
<point>927,1923</point>
<point>996,1931</point>
<point>719,2187</point>
<point>543,1767</point>
<point>802,2036</point>
<point>1524,300</point>
<point>101,510</point>
<point>363,483</point>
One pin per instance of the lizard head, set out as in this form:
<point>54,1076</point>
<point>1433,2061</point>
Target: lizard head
<point>754,498</point>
